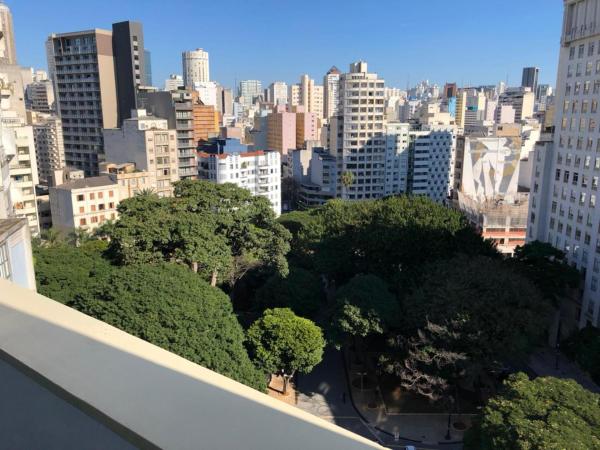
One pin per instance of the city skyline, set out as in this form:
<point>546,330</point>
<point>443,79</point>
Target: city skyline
<point>269,51</point>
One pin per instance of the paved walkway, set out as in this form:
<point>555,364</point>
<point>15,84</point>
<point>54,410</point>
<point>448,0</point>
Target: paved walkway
<point>543,363</point>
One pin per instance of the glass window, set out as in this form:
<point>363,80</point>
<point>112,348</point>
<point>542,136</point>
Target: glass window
<point>4,262</point>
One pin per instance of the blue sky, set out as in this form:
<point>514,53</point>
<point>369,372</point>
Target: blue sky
<point>467,41</point>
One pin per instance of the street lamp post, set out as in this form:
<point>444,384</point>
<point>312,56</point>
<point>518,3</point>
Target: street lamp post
<point>362,375</point>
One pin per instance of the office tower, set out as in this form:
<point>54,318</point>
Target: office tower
<point>450,90</point>
<point>521,99</point>
<point>475,108</point>
<point>258,171</point>
<point>40,96</point>
<point>277,93</point>
<point>331,92</point>
<point>311,96</point>
<point>177,108</point>
<point>281,130</point>
<point>226,103</point>
<point>563,210</point>
<point>249,89</point>
<point>307,126</point>
<point>128,50</point>
<point>147,68</point>
<point>49,146</point>
<point>357,135</point>
<point>83,67</point>
<point>150,143</point>
<point>206,120</point>
<point>432,163</point>
<point>174,82</point>
<point>8,53</point>
<point>195,67</point>
<point>530,78</point>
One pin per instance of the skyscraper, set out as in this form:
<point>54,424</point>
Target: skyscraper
<point>530,78</point>
<point>195,67</point>
<point>331,92</point>
<point>563,210</point>
<point>277,93</point>
<point>249,89</point>
<point>128,49</point>
<point>83,69</point>
<point>358,135</point>
<point>8,54</point>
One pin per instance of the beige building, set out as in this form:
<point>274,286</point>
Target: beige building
<point>49,145</point>
<point>82,66</point>
<point>149,143</point>
<point>131,181</point>
<point>86,203</point>
<point>8,53</point>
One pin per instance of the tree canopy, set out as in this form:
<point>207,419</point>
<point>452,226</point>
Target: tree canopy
<point>541,414</point>
<point>392,237</point>
<point>165,304</point>
<point>584,347</point>
<point>218,230</point>
<point>364,306</point>
<point>301,291</point>
<point>281,342</point>
<point>468,316</point>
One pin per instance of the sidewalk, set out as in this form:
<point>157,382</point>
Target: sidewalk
<point>424,431</point>
<point>543,363</point>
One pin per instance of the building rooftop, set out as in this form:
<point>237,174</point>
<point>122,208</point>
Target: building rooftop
<point>8,226</point>
<point>103,180</point>
<point>72,379</point>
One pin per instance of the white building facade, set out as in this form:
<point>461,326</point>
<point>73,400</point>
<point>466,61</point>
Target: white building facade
<point>258,171</point>
<point>564,208</point>
<point>195,67</point>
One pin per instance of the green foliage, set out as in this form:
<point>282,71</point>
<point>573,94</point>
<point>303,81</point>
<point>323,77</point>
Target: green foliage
<point>219,230</point>
<point>392,237</point>
<point>364,306</point>
<point>301,291</point>
<point>584,348</point>
<point>547,268</point>
<point>281,342</point>
<point>169,306</point>
<point>63,272</point>
<point>543,414</point>
<point>468,316</point>
<point>164,304</point>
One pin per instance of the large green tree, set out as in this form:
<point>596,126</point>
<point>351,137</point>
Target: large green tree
<point>283,343</point>
<point>169,306</point>
<point>220,231</point>
<point>363,307</point>
<point>466,318</point>
<point>542,414</point>
<point>165,304</point>
<point>301,291</point>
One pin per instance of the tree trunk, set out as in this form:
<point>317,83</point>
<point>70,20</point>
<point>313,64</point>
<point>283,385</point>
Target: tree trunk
<point>195,266</point>
<point>286,380</point>
<point>213,278</point>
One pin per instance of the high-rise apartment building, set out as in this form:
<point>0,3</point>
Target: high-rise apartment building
<point>49,146</point>
<point>177,108</point>
<point>358,135</point>
<point>150,144</point>
<point>521,99</point>
<point>397,157</point>
<point>564,208</point>
<point>311,96</point>
<point>130,65</point>
<point>195,67</point>
<point>82,65</point>
<point>331,92</point>
<point>258,171</point>
<point>39,96</point>
<point>206,120</point>
<point>8,53</point>
<point>530,78</point>
<point>277,93</point>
